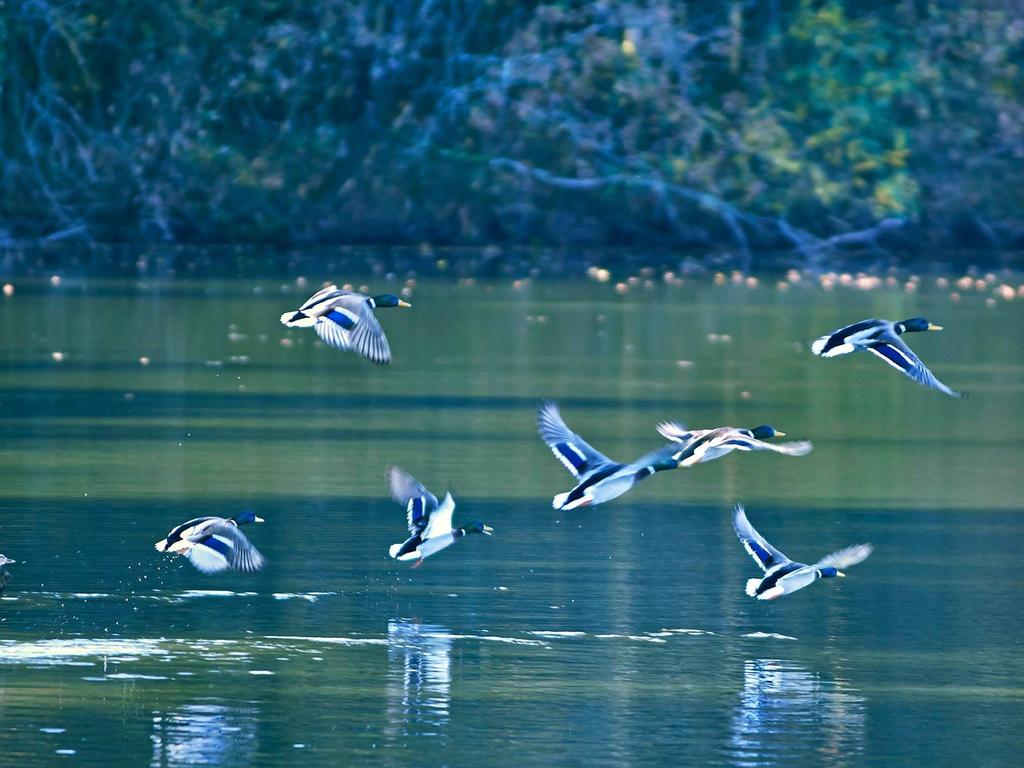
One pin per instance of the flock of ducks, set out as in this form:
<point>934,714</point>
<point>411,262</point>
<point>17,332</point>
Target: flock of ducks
<point>346,320</point>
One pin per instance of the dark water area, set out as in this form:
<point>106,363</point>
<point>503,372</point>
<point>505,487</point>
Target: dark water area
<point>618,635</point>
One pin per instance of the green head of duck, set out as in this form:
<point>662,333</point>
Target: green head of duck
<point>915,325</point>
<point>388,300</point>
<point>766,432</point>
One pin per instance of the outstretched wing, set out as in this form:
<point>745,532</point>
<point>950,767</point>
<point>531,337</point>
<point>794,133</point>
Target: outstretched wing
<point>441,519</point>
<point>224,546</point>
<point>896,353</point>
<point>578,456</point>
<point>844,558</point>
<point>676,432</point>
<point>742,442</point>
<point>352,325</point>
<point>843,341</point>
<point>419,502</point>
<point>767,556</point>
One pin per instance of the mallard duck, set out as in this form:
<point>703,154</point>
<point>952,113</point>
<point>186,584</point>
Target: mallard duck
<point>430,522</point>
<point>600,478</point>
<point>781,575</point>
<point>882,338</point>
<point>703,445</point>
<point>215,543</point>
<point>346,321</point>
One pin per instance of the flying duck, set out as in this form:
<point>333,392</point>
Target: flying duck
<point>703,445</point>
<point>215,543</point>
<point>600,478</point>
<point>430,521</point>
<point>345,320</point>
<point>782,575</point>
<point>882,338</point>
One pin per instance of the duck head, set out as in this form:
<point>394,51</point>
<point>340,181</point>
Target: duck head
<point>388,300</point>
<point>766,431</point>
<point>478,527</point>
<point>915,324</point>
<point>830,572</point>
<point>248,516</point>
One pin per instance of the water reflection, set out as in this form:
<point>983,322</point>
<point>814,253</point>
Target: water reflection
<point>786,712</point>
<point>419,678</point>
<point>207,733</point>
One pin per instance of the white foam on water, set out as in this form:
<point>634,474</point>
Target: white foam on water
<point>64,752</point>
<point>52,730</point>
<point>771,635</point>
<point>687,631</point>
<point>88,595</point>
<point>64,651</point>
<point>331,640</point>
<point>213,593</point>
<point>645,638</point>
<point>260,672</point>
<point>296,595</point>
<point>130,676</point>
<point>557,633</point>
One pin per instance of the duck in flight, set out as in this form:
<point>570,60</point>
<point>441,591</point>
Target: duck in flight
<point>882,338</point>
<point>704,445</point>
<point>345,320</point>
<point>215,544</point>
<point>782,576</point>
<point>430,521</point>
<point>599,478</point>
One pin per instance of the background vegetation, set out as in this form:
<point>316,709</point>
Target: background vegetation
<point>804,125</point>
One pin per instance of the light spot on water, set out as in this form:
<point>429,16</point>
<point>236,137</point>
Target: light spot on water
<point>768,635</point>
<point>260,672</point>
<point>52,730</point>
<point>64,751</point>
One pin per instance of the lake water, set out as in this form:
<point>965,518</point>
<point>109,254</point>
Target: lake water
<point>618,635</point>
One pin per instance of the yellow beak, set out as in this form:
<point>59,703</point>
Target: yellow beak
<point>840,574</point>
<point>779,434</point>
<point>934,327</point>
<point>404,303</point>
<point>488,530</point>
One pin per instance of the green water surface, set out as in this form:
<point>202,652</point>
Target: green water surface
<point>618,635</point>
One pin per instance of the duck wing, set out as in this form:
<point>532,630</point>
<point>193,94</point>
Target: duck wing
<point>766,556</point>
<point>441,519</point>
<point>419,503</point>
<point>742,440</point>
<point>221,546</point>
<point>676,432</point>
<point>843,341</point>
<point>846,557</point>
<point>578,456</point>
<point>895,352</point>
<point>352,325</point>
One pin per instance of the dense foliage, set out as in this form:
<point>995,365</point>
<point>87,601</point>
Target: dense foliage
<point>796,124</point>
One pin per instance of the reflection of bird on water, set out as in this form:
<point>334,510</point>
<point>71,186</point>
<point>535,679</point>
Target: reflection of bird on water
<point>206,734</point>
<point>419,675</point>
<point>5,577</point>
<point>787,713</point>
